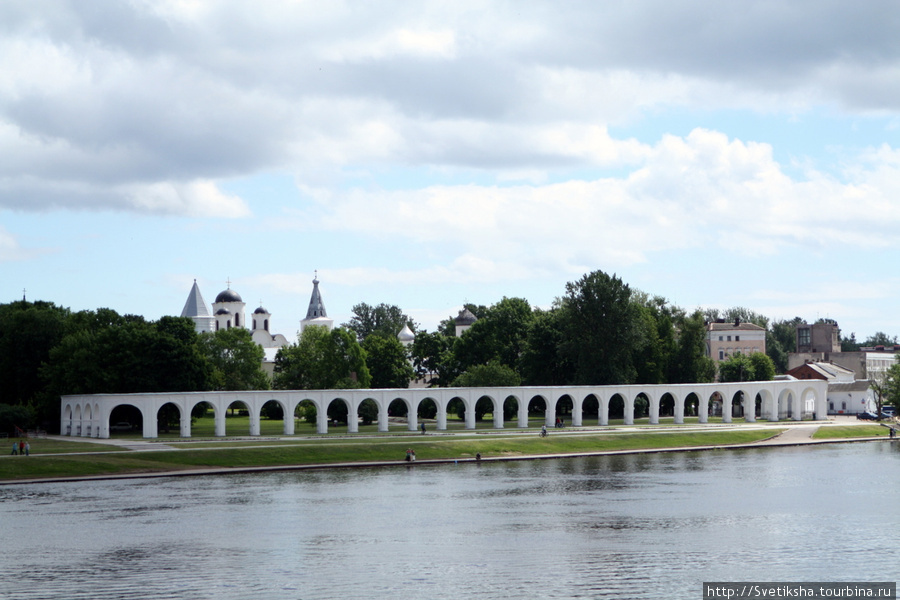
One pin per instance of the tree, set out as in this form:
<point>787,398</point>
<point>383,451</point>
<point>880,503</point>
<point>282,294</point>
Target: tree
<point>601,331</point>
<point>740,367</point>
<point>542,362</point>
<point>891,386</point>
<point>388,362</point>
<point>28,332</point>
<point>498,335</point>
<point>689,363</point>
<point>880,339</point>
<point>433,357</point>
<point>781,340</point>
<point>493,374</point>
<point>236,359</point>
<point>763,367</point>
<point>322,359</point>
<point>386,320</point>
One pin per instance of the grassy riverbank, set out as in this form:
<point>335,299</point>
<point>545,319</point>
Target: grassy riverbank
<point>43,463</point>
<point>850,431</point>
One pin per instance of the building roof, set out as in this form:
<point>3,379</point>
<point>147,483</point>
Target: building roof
<point>466,317</point>
<point>316,306</point>
<point>406,334</point>
<point>860,385</point>
<point>228,295</point>
<point>742,326</point>
<point>824,370</point>
<point>195,305</point>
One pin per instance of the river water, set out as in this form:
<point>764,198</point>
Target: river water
<point>637,526</point>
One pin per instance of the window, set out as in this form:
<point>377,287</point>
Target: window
<point>720,338</point>
<point>729,338</point>
<point>737,338</point>
<point>803,337</point>
<point>721,355</point>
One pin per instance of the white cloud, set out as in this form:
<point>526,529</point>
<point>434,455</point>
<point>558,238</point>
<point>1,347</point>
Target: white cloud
<point>12,251</point>
<point>195,199</point>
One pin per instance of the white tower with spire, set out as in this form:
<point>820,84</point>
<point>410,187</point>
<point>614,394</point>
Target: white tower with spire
<point>315,314</point>
<point>196,309</point>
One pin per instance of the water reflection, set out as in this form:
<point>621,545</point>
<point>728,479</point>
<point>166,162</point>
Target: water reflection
<point>647,526</point>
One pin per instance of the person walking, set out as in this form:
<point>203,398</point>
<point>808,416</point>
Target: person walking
<point>15,448</point>
<point>423,428</point>
<point>27,448</point>
<point>22,447</point>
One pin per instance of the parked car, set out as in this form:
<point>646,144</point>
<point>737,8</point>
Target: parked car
<point>866,416</point>
<point>121,426</point>
<point>890,411</point>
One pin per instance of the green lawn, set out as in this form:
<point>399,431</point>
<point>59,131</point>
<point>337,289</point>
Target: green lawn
<point>318,451</point>
<point>238,426</point>
<point>850,431</point>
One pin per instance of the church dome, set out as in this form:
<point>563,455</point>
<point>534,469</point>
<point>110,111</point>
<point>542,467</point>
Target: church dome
<point>465,317</point>
<point>229,295</point>
<point>406,334</point>
<point>260,311</point>
<point>223,311</point>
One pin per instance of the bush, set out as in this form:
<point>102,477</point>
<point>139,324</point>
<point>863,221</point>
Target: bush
<point>15,416</point>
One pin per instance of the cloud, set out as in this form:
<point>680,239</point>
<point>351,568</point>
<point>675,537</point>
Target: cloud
<point>686,192</point>
<point>12,251</point>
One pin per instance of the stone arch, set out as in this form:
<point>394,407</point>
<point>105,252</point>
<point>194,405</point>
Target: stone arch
<point>692,405</point>
<point>337,411</point>
<point>460,407</point>
<point>122,413</point>
<point>782,408</point>
<point>616,407</point>
<point>367,411</point>
<point>510,410</point>
<point>640,407</point>
<point>398,408</point>
<point>66,429</point>
<point>168,415</point>
<point>590,408</point>
<point>808,404</point>
<point>667,405</point>
<point>539,406</point>
<point>487,403</point>
<point>563,408</point>
<point>88,419</point>
<point>734,409</point>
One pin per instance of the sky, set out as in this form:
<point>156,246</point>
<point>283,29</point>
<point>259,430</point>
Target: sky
<point>428,154</point>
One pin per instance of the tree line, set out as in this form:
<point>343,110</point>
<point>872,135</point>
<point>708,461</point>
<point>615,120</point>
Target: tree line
<point>600,331</point>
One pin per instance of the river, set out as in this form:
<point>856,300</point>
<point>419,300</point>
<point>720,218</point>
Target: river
<point>636,526</point>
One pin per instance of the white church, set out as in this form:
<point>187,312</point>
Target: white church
<point>229,311</point>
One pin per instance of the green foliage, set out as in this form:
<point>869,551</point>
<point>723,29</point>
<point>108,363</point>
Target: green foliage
<point>15,416</point>
<point>763,367</point>
<point>129,355</point>
<point>690,364</point>
<point>388,362</point>
<point>498,335</point>
<point>492,374</point>
<point>236,359</point>
<point>740,367</point>
<point>880,339</point>
<point>781,340</point>
<point>385,320</point>
<point>28,332</point>
<point>322,359</point>
<point>601,330</point>
<point>433,356</point>
<point>542,362</point>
